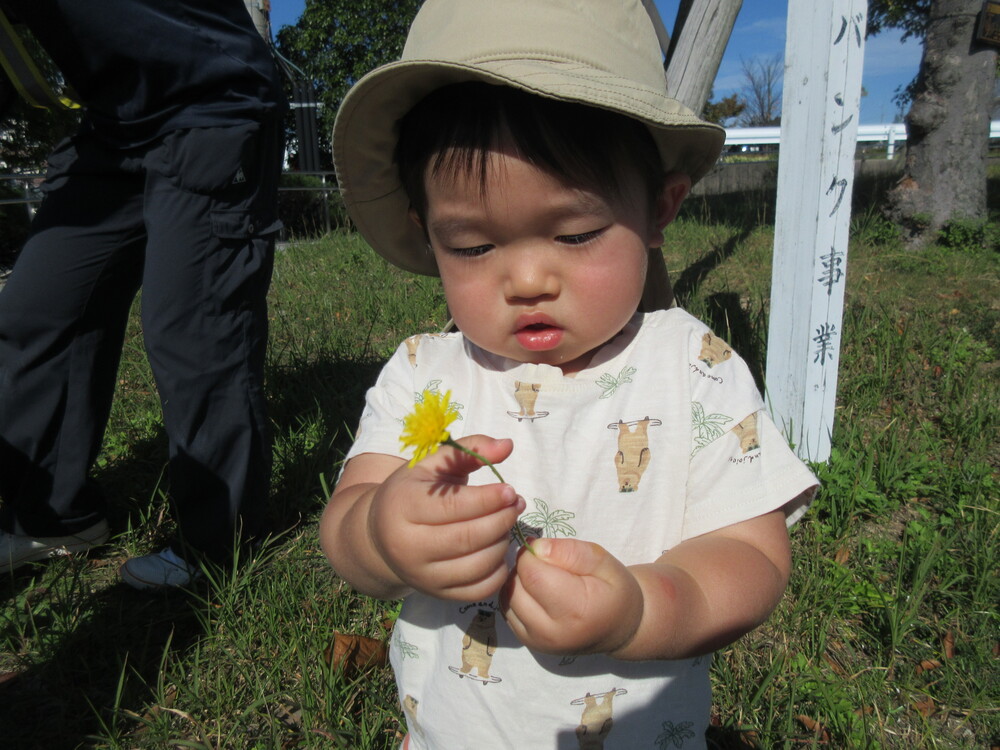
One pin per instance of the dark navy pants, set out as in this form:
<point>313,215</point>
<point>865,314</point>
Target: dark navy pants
<point>191,220</point>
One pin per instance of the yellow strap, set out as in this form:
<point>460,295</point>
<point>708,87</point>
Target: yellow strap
<point>23,72</point>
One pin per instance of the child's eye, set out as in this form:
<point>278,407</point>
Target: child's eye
<point>470,252</point>
<point>580,239</point>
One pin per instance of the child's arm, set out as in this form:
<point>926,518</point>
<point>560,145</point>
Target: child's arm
<point>390,529</point>
<point>574,597</point>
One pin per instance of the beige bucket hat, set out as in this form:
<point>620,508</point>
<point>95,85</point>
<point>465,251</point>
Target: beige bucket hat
<point>602,53</point>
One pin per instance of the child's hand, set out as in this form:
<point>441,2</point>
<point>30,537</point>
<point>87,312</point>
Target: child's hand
<point>572,597</point>
<point>437,534</point>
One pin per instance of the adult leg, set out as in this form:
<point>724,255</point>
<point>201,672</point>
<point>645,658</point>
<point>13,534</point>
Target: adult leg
<point>210,216</point>
<point>63,313</point>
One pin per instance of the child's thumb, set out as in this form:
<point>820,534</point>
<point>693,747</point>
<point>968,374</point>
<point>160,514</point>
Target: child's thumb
<point>482,448</point>
<point>572,555</point>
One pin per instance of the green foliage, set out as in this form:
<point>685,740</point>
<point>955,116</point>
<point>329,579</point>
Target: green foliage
<point>970,235</point>
<point>724,111</point>
<point>308,207</point>
<point>872,228</point>
<point>28,134</point>
<point>908,15</point>
<point>335,42</point>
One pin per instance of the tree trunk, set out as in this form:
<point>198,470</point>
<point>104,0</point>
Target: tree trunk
<point>948,127</point>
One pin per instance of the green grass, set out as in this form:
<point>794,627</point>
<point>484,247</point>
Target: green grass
<point>895,566</point>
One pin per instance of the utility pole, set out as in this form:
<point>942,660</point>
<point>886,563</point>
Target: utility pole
<point>260,12</point>
<point>303,101</point>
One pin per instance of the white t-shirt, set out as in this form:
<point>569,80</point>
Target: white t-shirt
<point>661,438</point>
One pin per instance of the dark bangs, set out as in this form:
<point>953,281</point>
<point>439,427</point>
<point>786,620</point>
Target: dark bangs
<point>455,127</point>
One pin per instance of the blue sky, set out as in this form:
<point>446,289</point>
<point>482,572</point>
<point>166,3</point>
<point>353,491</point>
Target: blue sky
<point>760,32</point>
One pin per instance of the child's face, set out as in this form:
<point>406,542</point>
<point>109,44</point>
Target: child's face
<point>536,270</point>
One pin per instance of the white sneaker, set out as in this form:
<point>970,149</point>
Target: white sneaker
<point>19,549</point>
<point>164,569</point>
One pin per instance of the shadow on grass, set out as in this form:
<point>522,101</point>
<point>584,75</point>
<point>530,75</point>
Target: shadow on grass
<point>726,315</point>
<point>687,283</point>
<point>106,646</point>
<point>314,407</point>
<point>725,738</point>
<point>724,312</point>
<point>112,656</point>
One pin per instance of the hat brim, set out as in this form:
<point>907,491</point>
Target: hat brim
<point>366,131</point>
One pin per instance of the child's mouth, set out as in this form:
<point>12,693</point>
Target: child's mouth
<point>537,337</point>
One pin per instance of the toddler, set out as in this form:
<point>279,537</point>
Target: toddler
<point>527,152</point>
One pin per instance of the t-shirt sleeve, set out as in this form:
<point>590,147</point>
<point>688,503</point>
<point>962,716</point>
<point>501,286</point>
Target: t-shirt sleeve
<point>741,466</point>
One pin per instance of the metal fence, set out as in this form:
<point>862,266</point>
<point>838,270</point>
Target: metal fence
<point>751,138</point>
<point>26,185</point>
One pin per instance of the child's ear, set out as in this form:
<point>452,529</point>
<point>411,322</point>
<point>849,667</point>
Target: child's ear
<point>675,189</point>
<point>415,218</point>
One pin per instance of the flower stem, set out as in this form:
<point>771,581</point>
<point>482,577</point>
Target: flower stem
<point>516,528</point>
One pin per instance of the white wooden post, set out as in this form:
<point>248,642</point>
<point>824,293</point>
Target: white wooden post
<point>821,103</point>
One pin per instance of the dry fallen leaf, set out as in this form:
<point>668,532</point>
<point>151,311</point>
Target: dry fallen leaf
<point>743,738</point>
<point>356,653</point>
<point>948,645</point>
<point>815,727</point>
<point>927,665</point>
<point>842,556</point>
<point>833,664</point>
<point>925,707</point>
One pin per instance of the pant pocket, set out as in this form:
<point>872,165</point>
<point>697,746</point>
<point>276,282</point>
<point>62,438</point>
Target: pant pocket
<point>239,266</point>
<point>209,160</point>
<point>241,224</point>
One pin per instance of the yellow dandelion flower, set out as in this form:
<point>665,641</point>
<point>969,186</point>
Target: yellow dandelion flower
<point>427,426</point>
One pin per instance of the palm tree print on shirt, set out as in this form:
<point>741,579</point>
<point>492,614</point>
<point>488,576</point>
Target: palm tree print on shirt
<point>706,427</point>
<point>608,383</point>
<point>674,735</point>
<point>546,522</point>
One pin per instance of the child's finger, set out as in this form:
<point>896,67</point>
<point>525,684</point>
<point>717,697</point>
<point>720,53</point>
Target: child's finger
<point>537,598</point>
<point>459,464</point>
<point>450,504</point>
<point>471,577</point>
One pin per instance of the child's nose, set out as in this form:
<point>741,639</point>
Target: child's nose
<point>530,275</point>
